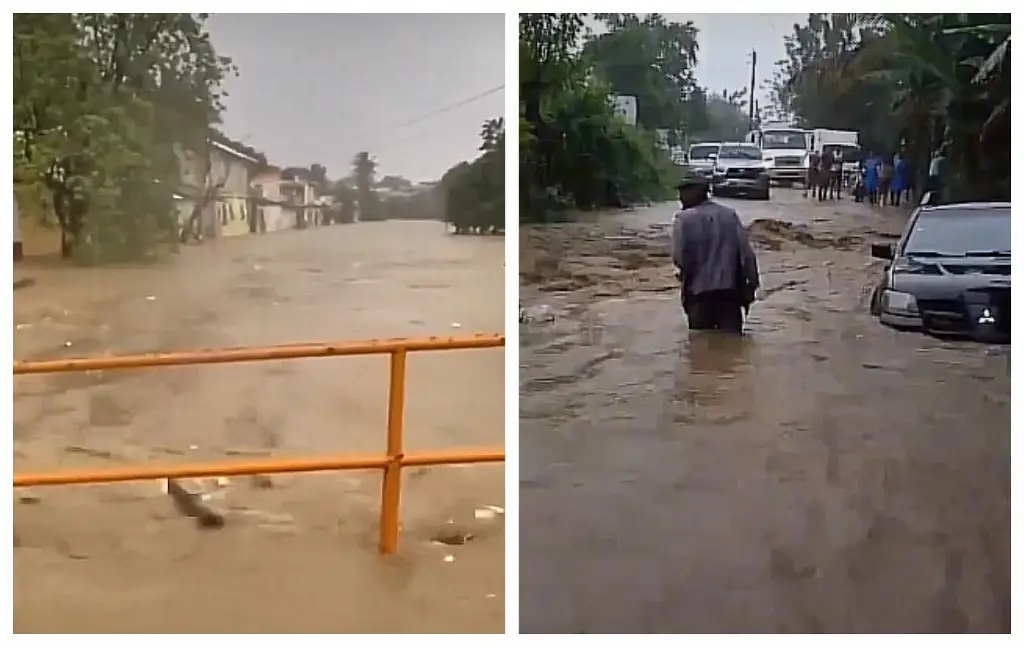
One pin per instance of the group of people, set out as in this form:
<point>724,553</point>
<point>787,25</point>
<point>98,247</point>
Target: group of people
<point>825,175</point>
<point>883,180</point>
<point>880,179</point>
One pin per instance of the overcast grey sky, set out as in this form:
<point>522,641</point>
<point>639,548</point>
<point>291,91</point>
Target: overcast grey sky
<point>318,88</point>
<point>726,41</point>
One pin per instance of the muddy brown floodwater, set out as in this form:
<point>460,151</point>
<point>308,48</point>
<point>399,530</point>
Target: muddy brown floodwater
<point>822,474</point>
<point>298,554</point>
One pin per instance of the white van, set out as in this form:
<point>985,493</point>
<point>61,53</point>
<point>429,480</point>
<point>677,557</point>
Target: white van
<point>701,158</point>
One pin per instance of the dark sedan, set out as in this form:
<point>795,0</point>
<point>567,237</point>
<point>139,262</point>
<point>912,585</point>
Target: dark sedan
<point>949,274</point>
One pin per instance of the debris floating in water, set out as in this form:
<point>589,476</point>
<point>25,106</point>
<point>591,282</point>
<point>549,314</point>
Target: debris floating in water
<point>539,314</point>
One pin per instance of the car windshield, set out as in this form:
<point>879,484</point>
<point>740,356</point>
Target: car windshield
<point>787,139</point>
<point>960,232</point>
<point>702,152</point>
<point>739,153</point>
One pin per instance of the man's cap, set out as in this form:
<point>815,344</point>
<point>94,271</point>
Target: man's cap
<point>688,178</point>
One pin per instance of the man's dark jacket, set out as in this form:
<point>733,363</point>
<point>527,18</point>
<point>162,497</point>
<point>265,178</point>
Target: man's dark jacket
<point>711,250</point>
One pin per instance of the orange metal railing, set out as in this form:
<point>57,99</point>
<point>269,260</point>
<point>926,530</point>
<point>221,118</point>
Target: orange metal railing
<point>391,463</point>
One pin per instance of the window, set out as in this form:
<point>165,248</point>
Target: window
<point>959,232</point>
<point>786,139</point>
<point>740,153</point>
<point>703,152</point>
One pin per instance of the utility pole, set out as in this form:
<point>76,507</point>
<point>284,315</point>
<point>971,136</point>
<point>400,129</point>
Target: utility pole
<point>753,76</point>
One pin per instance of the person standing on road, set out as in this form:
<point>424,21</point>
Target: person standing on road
<point>871,177</point>
<point>714,261</point>
<point>936,171</point>
<point>811,180</point>
<point>835,175</point>
<point>900,179</point>
<point>885,173</point>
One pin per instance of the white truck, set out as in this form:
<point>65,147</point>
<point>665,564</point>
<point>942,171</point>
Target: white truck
<point>784,149</point>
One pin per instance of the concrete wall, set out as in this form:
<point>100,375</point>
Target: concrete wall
<point>230,215</point>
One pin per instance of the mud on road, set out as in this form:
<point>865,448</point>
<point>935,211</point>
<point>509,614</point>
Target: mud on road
<point>822,474</point>
<point>298,554</point>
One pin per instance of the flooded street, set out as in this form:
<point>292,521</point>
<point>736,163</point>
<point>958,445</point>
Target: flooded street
<point>822,474</point>
<point>298,553</point>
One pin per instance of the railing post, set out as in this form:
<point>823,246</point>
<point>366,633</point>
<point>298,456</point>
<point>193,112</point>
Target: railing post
<point>391,483</point>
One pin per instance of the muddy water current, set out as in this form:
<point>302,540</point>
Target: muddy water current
<point>821,474</point>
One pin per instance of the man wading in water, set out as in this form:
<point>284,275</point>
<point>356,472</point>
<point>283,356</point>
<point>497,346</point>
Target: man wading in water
<point>714,260</point>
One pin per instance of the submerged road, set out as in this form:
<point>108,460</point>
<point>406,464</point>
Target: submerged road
<point>298,553</point>
<point>822,474</point>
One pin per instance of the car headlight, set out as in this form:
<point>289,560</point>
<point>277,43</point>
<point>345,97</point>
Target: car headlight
<point>899,303</point>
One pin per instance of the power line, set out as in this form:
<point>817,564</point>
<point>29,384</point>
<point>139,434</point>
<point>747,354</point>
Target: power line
<point>448,108</point>
<point>390,143</point>
<point>424,117</point>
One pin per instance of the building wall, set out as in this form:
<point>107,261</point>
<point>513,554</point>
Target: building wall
<point>232,208</point>
<point>278,218</point>
<point>230,215</point>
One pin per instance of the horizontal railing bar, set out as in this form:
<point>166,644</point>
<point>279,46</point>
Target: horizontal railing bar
<point>257,354</point>
<point>280,466</point>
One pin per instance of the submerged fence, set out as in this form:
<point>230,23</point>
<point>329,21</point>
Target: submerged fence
<point>391,462</point>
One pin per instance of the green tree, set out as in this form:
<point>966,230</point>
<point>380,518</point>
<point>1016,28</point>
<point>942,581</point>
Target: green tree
<point>726,117</point>
<point>364,171</point>
<point>100,102</point>
<point>653,60</point>
<point>394,183</point>
<point>920,80</point>
<point>343,211</point>
<point>574,151</point>
<point>474,192</point>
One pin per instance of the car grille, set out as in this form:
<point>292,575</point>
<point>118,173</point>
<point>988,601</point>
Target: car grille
<point>787,161</point>
<point>956,316</point>
<point>944,322</point>
<point>743,173</point>
<point>997,300</point>
<point>946,306</point>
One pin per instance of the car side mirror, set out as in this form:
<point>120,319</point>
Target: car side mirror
<point>713,156</point>
<point>882,251</point>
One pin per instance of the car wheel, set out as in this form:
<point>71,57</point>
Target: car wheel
<point>875,307</point>
<point>766,194</point>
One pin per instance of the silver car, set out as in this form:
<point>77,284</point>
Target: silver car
<point>740,170</point>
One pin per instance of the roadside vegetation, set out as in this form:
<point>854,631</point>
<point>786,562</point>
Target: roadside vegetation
<point>574,151</point>
<point>109,108</point>
<point>916,81</point>
<point>99,101</point>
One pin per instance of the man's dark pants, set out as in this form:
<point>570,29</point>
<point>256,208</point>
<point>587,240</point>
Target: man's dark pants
<point>715,310</point>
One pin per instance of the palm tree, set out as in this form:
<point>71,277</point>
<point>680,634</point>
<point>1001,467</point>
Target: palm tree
<point>949,83</point>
